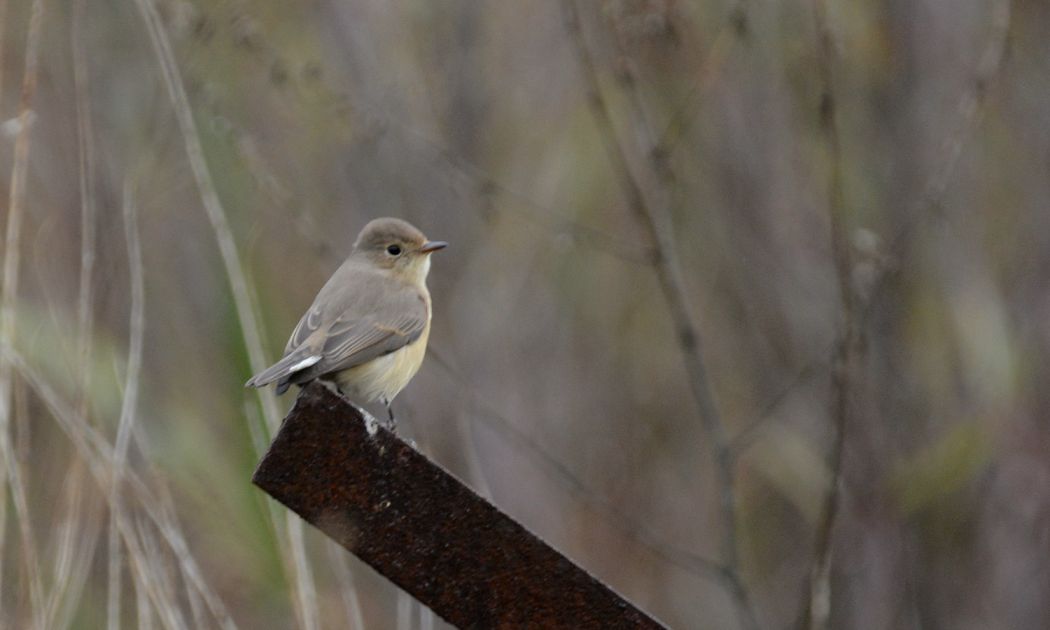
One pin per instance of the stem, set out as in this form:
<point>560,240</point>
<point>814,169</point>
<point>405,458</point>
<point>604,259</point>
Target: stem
<point>297,566</point>
<point>654,219</point>
<point>8,299</point>
<point>817,606</point>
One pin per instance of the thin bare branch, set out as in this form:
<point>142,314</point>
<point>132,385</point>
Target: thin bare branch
<point>147,588</point>
<point>347,590</point>
<point>144,614</point>
<point>113,584</point>
<point>72,566</point>
<point>129,405</point>
<point>299,570</point>
<point>651,210</point>
<point>169,529</point>
<point>196,607</point>
<point>561,472</point>
<point>925,208</point>
<point>88,209</point>
<point>158,558</point>
<point>3,47</point>
<point>160,573</point>
<point>750,434</point>
<point>817,597</point>
<point>486,184</point>
<point>78,535</point>
<point>376,116</point>
<point>8,299</point>
<point>98,455</point>
<point>537,215</point>
<point>733,30</point>
<point>210,199</point>
<point>3,474</point>
<point>968,113</point>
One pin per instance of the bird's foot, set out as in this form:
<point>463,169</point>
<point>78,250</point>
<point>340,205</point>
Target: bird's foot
<point>371,423</point>
<point>391,423</point>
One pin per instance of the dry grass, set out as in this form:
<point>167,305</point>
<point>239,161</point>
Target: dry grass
<point>296,565</point>
<point>569,383</point>
<point>12,475</point>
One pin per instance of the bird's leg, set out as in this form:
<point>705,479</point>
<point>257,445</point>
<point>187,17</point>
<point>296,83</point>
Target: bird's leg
<point>370,421</point>
<point>390,413</point>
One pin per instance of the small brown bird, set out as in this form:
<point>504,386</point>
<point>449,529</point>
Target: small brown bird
<point>367,328</point>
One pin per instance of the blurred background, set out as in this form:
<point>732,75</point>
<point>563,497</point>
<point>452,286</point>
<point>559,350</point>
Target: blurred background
<point>184,176</point>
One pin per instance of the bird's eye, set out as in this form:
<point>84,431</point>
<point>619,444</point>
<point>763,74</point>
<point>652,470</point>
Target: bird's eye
<point>393,250</point>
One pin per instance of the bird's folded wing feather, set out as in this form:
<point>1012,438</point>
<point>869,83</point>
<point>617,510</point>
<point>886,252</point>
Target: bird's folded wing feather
<point>354,322</point>
<point>294,361</point>
<point>351,321</point>
<point>350,343</point>
<point>309,324</point>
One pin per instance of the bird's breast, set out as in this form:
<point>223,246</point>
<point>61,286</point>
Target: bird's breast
<point>385,376</point>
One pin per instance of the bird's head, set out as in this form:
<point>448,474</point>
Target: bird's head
<point>397,246</point>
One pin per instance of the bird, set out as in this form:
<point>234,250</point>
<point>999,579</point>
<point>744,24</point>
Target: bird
<point>366,331</point>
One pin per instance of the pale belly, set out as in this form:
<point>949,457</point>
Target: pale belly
<point>385,376</point>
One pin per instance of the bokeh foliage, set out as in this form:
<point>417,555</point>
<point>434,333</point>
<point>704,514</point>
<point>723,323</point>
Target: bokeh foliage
<point>554,362</point>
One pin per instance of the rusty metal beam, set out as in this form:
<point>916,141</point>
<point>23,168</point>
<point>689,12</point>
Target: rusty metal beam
<point>423,529</point>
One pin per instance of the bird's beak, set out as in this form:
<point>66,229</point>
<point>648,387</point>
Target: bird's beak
<point>432,246</point>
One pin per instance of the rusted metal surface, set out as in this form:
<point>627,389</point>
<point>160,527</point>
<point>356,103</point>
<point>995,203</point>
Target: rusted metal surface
<point>424,530</point>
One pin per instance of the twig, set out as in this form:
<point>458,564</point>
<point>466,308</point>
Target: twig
<point>483,182</point>
<point>560,471</point>
<point>305,593</point>
<point>168,526</point>
<point>146,589</point>
<point>3,474</point>
<point>3,47</point>
<point>69,569</point>
<point>463,425</point>
<point>486,184</point>
<point>817,604</point>
<point>12,260</point>
<point>347,590</point>
<point>144,615</point>
<point>196,607</point>
<point>88,208</point>
<point>78,534</point>
<point>159,569</point>
<point>969,108</point>
<point>925,207</point>
<point>167,507</point>
<point>655,222</point>
<point>129,405</point>
<point>210,199</point>
<point>732,31</point>
<point>752,432</point>
<point>98,455</point>
<point>539,215</point>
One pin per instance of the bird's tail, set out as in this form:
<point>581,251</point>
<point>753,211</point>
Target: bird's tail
<point>299,359</point>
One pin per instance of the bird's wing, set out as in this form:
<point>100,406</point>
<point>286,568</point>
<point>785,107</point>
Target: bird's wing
<point>351,342</point>
<point>339,295</point>
<point>358,315</point>
<point>298,354</point>
<point>352,323</point>
<point>307,326</point>
<point>294,361</point>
